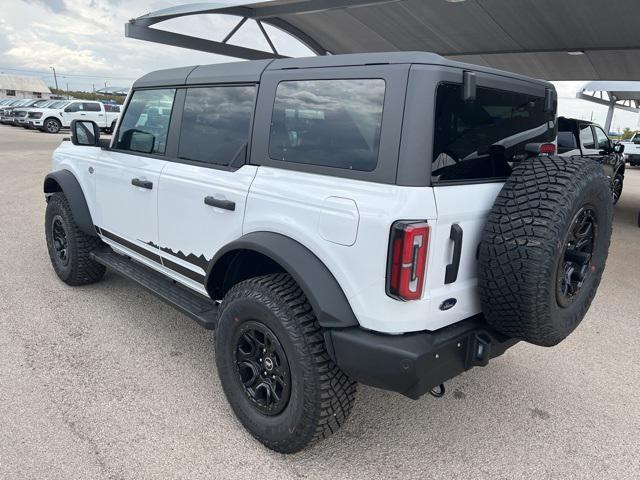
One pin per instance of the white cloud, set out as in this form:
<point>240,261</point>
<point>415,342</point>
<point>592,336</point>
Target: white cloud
<point>84,40</point>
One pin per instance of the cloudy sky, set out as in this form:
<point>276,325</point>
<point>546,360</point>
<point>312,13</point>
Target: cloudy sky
<point>84,40</point>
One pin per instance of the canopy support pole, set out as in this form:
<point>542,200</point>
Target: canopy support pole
<point>610,112</point>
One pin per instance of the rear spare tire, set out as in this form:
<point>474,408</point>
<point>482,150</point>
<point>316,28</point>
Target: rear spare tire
<point>544,247</point>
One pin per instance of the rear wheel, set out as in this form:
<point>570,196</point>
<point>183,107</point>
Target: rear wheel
<point>616,186</point>
<point>274,366</point>
<point>69,247</point>
<point>52,125</point>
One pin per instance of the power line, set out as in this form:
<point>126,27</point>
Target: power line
<point>48,74</point>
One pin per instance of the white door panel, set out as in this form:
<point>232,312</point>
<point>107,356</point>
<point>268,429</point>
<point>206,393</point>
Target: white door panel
<point>190,231</point>
<point>124,209</point>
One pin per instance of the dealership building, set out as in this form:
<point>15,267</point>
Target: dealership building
<point>17,86</point>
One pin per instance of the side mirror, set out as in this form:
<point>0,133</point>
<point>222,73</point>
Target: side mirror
<point>85,133</point>
<point>618,148</point>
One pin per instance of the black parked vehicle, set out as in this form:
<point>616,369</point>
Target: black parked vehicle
<point>582,138</point>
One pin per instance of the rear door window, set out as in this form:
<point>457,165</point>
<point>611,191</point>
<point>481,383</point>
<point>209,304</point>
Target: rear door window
<point>566,142</point>
<point>480,140</point>
<point>586,137</point>
<point>601,139</point>
<point>215,124</point>
<point>145,124</point>
<point>91,107</point>
<point>332,123</point>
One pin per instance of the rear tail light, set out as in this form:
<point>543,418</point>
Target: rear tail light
<point>407,262</point>
<point>547,149</point>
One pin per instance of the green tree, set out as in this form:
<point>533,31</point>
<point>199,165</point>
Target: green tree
<point>627,133</point>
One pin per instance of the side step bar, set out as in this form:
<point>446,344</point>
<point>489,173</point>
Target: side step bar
<point>202,309</point>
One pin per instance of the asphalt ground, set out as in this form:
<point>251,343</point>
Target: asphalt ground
<point>108,382</point>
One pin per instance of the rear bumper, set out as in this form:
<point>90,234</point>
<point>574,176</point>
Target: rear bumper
<point>635,158</point>
<point>414,363</point>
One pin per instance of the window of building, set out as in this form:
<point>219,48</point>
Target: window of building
<point>145,124</point>
<point>332,123</point>
<point>215,124</point>
<point>11,93</point>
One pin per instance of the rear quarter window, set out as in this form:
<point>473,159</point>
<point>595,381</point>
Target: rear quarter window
<point>331,123</point>
<point>481,140</point>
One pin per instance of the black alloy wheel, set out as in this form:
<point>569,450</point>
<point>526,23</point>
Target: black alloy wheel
<point>616,187</point>
<point>60,241</point>
<point>579,246</point>
<point>262,367</point>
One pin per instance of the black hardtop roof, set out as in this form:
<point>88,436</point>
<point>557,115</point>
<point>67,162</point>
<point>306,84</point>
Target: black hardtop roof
<point>250,71</point>
<point>567,120</point>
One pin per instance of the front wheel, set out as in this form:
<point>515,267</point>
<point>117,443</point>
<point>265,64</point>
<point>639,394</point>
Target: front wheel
<point>69,247</point>
<point>52,125</point>
<point>274,366</point>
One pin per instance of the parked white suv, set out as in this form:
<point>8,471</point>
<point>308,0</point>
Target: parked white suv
<point>52,120</point>
<point>373,218</point>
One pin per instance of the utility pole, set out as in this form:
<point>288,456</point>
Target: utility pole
<point>55,76</point>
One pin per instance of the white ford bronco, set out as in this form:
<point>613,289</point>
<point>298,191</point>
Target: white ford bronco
<point>393,219</point>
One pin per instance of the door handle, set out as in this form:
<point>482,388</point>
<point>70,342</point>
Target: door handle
<point>224,204</point>
<point>83,114</point>
<point>451,273</point>
<point>142,183</point>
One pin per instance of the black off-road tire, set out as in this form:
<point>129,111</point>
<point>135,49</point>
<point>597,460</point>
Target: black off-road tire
<point>78,268</point>
<point>616,186</point>
<point>523,247</point>
<point>321,395</point>
<point>51,125</point>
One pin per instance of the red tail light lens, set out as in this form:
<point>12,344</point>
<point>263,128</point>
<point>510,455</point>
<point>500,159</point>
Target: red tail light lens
<point>547,148</point>
<point>407,263</point>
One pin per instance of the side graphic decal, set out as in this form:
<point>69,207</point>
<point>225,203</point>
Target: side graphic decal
<point>200,261</point>
<point>196,277</point>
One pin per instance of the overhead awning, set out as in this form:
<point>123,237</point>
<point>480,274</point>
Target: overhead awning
<point>621,95</point>
<point>551,39</point>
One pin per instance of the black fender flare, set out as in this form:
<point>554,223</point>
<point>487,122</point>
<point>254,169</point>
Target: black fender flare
<point>323,291</point>
<point>66,182</point>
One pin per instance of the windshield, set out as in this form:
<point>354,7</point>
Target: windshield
<point>58,104</point>
<point>636,138</point>
<point>481,140</point>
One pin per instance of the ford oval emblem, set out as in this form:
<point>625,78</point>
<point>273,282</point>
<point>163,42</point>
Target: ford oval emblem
<point>448,304</point>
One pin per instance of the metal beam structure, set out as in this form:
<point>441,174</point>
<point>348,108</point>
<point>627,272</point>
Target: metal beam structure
<point>567,40</point>
<point>620,95</point>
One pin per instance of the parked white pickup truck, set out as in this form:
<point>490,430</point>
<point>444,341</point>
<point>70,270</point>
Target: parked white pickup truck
<point>632,150</point>
<point>53,120</point>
